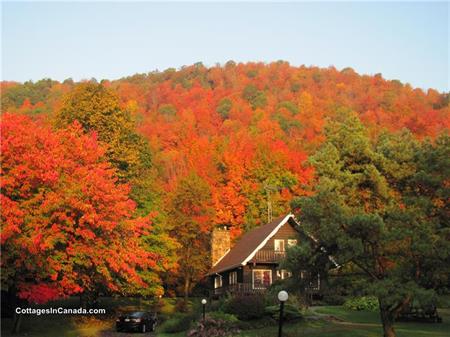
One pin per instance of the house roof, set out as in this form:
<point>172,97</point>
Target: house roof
<point>249,244</point>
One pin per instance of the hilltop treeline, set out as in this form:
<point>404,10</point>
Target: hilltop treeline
<point>199,147</point>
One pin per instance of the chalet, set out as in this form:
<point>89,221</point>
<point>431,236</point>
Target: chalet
<point>253,264</point>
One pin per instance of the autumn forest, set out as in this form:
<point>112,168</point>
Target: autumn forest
<point>114,187</point>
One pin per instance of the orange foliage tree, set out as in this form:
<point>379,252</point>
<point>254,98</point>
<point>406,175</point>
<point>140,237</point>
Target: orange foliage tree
<point>67,225</point>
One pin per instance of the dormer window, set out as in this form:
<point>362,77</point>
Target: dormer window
<point>279,245</point>
<point>218,281</point>
<point>232,278</point>
<point>292,242</point>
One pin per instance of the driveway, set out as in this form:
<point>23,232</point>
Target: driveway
<point>112,333</point>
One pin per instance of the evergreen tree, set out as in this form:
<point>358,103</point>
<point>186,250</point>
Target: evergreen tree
<point>380,210</point>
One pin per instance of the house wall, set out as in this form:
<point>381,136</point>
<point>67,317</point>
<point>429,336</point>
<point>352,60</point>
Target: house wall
<point>248,271</point>
<point>285,232</point>
<point>226,277</point>
<point>245,274</point>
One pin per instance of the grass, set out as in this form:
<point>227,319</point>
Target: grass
<point>354,324</point>
<point>345,323</point>
<point>179,334</point>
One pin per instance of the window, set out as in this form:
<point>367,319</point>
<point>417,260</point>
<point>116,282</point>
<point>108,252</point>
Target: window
<point>283,274</point>
<point>311,281</point>
<point>279,245</point>
<point>262,279</point>
<point>292,242</point>
<point>218,282</point>
<point>232,277</point>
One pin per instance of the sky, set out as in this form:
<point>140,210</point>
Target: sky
<point>109,40</point>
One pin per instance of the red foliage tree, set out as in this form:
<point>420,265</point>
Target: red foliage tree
<point>67,226</point>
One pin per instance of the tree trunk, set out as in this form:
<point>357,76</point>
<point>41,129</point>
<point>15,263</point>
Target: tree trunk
<point>15,302</point>
<point>187,285</point>
<point>88,299</point>
<point>16,325</point>
<point>387,318</point>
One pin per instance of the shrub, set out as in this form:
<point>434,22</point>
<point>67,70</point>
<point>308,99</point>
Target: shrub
<point>290,312</point>
<point>333,299</point>
<point>259,323</point>
<point>181,305</point>
<point>246,307</point>
<point>296,298</point>
<point>219,305</point>
<point>362,303</point>
<point>219,315</point>
<point>211,327</point>
<point>177,323</point>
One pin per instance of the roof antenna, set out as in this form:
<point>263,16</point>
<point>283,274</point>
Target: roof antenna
<point>269,189</point>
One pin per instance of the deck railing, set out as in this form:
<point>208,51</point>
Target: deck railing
<point>270,256</point>
<point>238,288</point>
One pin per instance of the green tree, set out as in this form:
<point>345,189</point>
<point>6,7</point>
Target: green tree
<point>190,211</point>
<point>255,97</point>
<point>379,209</point>
<point>35,92</point>
<point>97,109</point>
<point>224,108</point>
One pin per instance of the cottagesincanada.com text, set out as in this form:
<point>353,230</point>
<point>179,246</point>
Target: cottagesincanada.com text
<point>59,311</point>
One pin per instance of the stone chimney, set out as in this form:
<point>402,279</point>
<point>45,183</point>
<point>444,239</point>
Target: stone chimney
<point>220,243</point>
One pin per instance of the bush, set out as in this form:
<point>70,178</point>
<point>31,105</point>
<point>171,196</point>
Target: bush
<point>290,312</point>
<point>219,315</point>
<point>369,303</point>
<point>333,299</point>
<point>296,299</point>
<point>177,323</point>
<point>259,323</point>
<point>219,305</point>
<point>211,327</point>
<point>246,307</point>
<point>181,305</point>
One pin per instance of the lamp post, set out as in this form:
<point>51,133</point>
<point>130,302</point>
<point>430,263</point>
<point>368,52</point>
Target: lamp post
<point>204,308</point>
<point>282,297</point>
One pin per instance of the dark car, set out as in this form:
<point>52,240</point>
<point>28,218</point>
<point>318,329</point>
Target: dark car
<point>136,321</point>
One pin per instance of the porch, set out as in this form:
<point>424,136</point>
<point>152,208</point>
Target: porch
<point>238,288</point>
<point>268,256</point>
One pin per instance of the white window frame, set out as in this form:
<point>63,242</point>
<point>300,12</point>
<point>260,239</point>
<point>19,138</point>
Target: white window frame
<point>292,242</point>
<point>283,274</point>
<point>261,270</point>
<point>276,244</point>
<point>218,282</point>
<point>232,278</point>
<point>303,274</point>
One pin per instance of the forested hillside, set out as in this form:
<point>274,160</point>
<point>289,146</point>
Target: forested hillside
<point>200,147</point>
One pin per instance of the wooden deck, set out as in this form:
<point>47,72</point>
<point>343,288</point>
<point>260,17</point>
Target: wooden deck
<point>238,288</point>
<point>268,256</point>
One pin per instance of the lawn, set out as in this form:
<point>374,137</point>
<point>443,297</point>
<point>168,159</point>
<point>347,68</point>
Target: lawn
<point>327,321</point>
<point>348,323</point>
